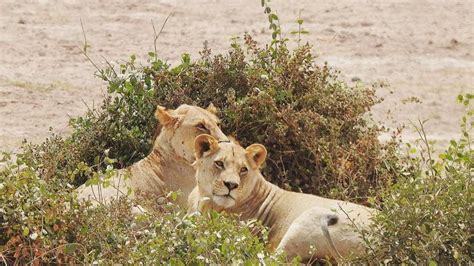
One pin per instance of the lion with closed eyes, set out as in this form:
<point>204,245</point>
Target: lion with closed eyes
<point>228,179</point>
<point>168,166</point>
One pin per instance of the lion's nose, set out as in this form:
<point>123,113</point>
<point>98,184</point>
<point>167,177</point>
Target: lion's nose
<point>231,185</point>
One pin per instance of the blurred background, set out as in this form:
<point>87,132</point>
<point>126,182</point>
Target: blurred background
<point>422,49</point>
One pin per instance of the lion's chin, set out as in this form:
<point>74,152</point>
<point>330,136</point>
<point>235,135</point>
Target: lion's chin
<point>224,201</point>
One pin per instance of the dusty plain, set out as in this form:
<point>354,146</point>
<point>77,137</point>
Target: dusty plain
<point>422,49</point>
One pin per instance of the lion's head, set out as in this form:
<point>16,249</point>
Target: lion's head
<point>225,172</point>
<point>180,127</point>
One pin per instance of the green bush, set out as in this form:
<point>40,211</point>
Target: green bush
<point>41,222</point>
<point>428,216</point>
<point>317,129</point>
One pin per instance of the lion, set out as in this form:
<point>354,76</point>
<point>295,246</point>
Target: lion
<point>168,166</point>
<point>228,179</point>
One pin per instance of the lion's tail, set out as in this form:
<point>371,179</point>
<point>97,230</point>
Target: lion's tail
<point>326,221</point>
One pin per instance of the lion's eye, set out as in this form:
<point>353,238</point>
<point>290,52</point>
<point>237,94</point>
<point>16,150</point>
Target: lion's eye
<point>202,127</point>
<point>244,171</point>
<point>219,164</point>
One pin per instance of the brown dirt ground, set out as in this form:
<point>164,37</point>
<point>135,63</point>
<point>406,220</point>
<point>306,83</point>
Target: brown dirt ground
<point>421,48</point>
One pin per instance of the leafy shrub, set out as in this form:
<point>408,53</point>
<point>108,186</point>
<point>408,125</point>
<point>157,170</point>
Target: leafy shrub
<point>428,215</point>
<point>319,136</point>
<point>41,222</point>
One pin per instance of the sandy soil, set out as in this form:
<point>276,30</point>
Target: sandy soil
<point>421,48</point>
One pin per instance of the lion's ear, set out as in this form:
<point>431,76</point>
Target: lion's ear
<point>205,144</point>
<point>164,117</point>
<point>212,109</point>
<point>257,153</point>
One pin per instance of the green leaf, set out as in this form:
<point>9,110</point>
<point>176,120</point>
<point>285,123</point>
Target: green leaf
<point>186,59</point>
<point>174,196</point>
<point>26,231</point>
<point>455,254</point>
<point>109,161</point>
<point>453,143</point>
<point>96,160</point>
<point>5,157</point>
<point>70,248</point>
<point>128,87</point>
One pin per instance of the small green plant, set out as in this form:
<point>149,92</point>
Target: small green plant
<point>274,26</point>
<point>427,217</point>
<point>300,30</point>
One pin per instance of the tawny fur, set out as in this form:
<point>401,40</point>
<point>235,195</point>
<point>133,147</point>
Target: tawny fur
<point>296,220</point>
<point>168,166</point>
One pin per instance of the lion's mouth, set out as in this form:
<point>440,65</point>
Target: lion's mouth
<point>224,196</point>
